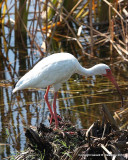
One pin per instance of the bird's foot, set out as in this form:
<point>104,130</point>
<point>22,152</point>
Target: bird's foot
<point>52,119</point>
<point>58,117</point>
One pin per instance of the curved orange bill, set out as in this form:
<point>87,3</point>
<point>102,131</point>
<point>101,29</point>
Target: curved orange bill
<point>112,79</point>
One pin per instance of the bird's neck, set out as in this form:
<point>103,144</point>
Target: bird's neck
<point>87,72</point>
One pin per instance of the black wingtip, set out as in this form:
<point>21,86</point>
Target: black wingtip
<point>14,85</point>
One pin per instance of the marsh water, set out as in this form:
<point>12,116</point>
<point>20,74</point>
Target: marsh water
<point>79,100</point>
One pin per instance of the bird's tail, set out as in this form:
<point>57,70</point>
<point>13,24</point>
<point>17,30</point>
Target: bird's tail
<point>14,90</point>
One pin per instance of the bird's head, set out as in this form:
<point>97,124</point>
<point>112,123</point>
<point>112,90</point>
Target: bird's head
<point>106,71</point>
<point>103,69</point>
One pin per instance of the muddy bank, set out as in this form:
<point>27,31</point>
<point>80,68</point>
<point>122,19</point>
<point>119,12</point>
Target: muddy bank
<point>102,141</point>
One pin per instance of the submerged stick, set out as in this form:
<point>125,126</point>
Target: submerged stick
<point>110,118</point>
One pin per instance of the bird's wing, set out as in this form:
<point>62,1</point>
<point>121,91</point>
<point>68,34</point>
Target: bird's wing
<point>45,75</point>
<point>55,73</point>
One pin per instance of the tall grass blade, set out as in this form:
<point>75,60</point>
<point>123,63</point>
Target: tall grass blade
<point>82,10</point>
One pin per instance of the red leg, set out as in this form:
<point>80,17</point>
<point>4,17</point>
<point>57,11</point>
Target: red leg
<point>54,109</point>
<point>49,107</point>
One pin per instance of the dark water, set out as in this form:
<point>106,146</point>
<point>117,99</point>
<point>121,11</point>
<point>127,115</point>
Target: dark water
<point>79,100</point>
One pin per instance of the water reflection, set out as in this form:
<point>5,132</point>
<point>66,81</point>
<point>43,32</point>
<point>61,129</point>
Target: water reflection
<point>79,100</point>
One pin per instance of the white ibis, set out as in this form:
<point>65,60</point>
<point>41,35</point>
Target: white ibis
<point>55,70</point>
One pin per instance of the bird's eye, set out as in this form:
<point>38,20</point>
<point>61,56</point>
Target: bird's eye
<point>108,70</point>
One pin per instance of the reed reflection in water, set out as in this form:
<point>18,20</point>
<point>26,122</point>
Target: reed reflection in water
<point>79,99</point>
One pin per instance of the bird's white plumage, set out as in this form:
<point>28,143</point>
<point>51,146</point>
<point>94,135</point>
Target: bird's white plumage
<point>54,70</point>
